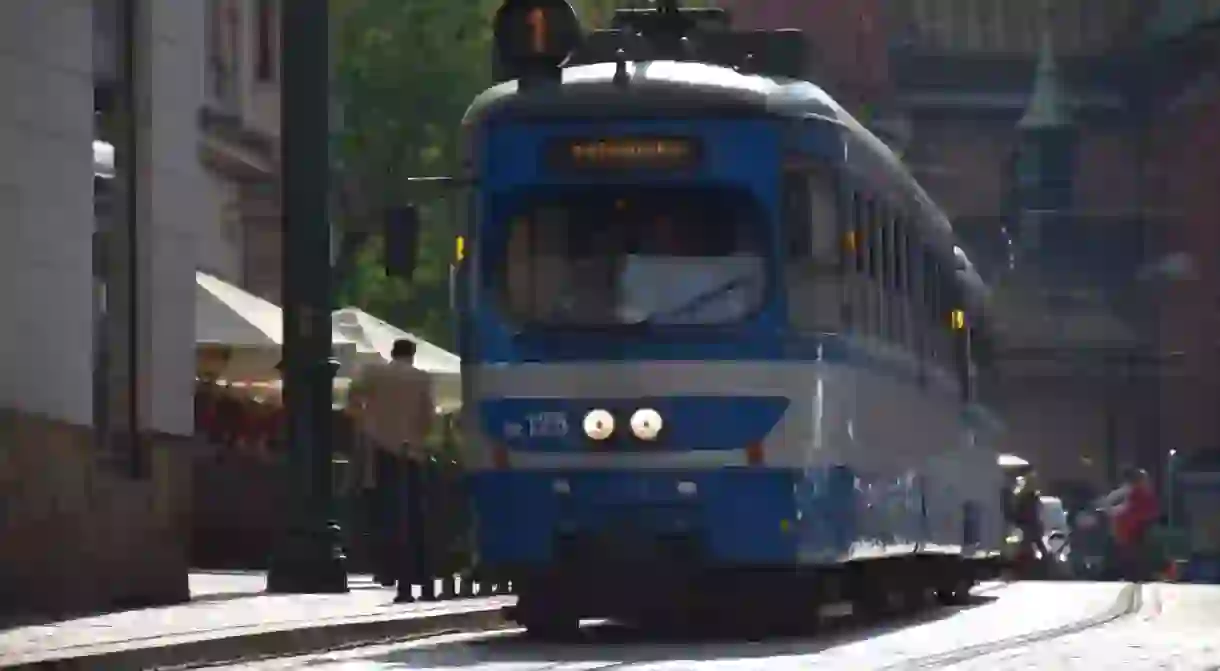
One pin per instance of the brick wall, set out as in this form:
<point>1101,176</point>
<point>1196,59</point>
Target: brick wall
<point>962,164</point>
<point>1185,197</point>
<point>848,40</point>
<point>77,535</point>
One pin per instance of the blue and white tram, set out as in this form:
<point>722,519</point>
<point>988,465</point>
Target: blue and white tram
<point>716,340</point>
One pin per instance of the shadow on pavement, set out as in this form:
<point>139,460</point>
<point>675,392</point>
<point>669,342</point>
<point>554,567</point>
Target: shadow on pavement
<point>611,645</point>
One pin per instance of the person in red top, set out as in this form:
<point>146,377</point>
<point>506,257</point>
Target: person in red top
<point>1133,518</point>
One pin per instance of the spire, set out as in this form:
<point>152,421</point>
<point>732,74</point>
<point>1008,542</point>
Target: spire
<point>1048,105</point>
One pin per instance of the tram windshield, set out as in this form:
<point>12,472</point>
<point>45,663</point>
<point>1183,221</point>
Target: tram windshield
<point>608,256</point>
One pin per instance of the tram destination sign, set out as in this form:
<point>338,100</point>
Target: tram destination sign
<point>624,153</point>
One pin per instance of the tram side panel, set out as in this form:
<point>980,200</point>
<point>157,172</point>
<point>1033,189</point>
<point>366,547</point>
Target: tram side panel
<point>885,469</point>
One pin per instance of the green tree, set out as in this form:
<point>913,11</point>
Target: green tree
<point>404,74</point>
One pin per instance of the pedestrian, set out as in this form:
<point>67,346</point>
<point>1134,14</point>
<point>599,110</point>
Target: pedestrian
<point>1133,512</point>
<point>1027,506</point>
<point>394,409</point>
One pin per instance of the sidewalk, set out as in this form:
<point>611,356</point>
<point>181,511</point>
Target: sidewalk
<point>229,618</point>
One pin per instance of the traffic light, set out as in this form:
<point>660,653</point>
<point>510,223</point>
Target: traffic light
<point>534,38</point>
<point>401,237</point>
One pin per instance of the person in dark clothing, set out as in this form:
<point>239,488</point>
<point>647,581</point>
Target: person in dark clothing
<point>394,406</point>
<point>1027,515</point>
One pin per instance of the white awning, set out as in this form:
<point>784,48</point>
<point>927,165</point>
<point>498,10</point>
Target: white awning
<point>1011,461</point>
<point>247,330</point>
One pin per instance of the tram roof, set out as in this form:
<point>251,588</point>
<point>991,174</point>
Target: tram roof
<point>690,88</point>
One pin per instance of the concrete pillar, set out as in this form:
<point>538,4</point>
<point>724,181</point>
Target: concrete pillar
<point>178,210</point>
<point>46,208</point>
<point>172,208</point>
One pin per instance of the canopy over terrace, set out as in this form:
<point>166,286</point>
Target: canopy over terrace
<point>239,336</point>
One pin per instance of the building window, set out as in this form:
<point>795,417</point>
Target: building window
<point>223,29</point>
<point>265,41</point>
<point>213,29</point>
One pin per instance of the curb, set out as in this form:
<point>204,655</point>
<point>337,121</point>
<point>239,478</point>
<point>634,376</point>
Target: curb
<point>276,643</point>
<point>1129,602</point>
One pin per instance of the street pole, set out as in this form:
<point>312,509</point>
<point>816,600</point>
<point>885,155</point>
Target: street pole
<point>1167,493</point>
<point>1111,421</point>
<point>308,557</point>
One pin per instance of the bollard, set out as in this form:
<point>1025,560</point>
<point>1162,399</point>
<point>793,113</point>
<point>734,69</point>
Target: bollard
<point>429,590</point>
<point>457,586</point>
<point>406,592</point>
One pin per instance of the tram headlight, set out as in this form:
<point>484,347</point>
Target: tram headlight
<point>599,424</point>
<point>646,424</point>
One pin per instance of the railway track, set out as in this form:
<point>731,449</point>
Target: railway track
<point>843,639</point>
<point>1129,601</point>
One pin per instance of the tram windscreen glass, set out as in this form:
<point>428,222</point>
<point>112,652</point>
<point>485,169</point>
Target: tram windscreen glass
<point>632,256</point>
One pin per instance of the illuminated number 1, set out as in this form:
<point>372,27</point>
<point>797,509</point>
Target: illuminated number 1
<point>537,23</point>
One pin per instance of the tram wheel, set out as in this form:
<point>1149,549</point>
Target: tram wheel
<point>545,615</point>
<point>871,596</point>
<point>957,595</point>
<point>549,625</point>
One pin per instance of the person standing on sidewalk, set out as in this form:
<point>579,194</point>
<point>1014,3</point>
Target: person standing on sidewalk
<point>1027,517</point>
<point>395,408</point>
<point>1132,518</point>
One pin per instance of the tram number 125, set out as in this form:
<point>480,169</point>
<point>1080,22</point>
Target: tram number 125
<point>547,424</point>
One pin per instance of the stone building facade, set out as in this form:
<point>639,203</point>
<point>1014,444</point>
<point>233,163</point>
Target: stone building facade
<point>239,124</point>
<point>99,318</point>
<point>1109,318</point>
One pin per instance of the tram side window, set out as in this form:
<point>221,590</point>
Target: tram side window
<point>893,282</point>
<point>900,265</point>
<point>812,222</point>
<point>826,221</point>
<point>931,292</point>
<point>947,302</point>
<point>857,307</point>
<point>900,261</point>
<point>876,286</point>
<point>911,281</point>
<point>916,297</point>
<point>959,334</point>
<point>814,233</point>
<point>859,234</point>
<point>872,239</point>
<point>882,277</point>
<point>797,217</point>
<point>894,279</point>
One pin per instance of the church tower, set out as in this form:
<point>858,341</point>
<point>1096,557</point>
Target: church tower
<point>1046,151</point>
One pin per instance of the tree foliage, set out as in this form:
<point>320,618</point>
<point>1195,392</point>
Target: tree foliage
<point>404,74</point>
<point>405,71</point>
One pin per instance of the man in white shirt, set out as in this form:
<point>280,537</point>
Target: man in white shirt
<point>394,410</point>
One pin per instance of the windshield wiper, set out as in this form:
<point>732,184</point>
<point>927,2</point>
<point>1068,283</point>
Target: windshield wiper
<point>699,300</point>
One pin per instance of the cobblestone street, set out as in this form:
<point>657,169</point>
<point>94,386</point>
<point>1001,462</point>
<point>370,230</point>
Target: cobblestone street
<point>1026,626</point>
